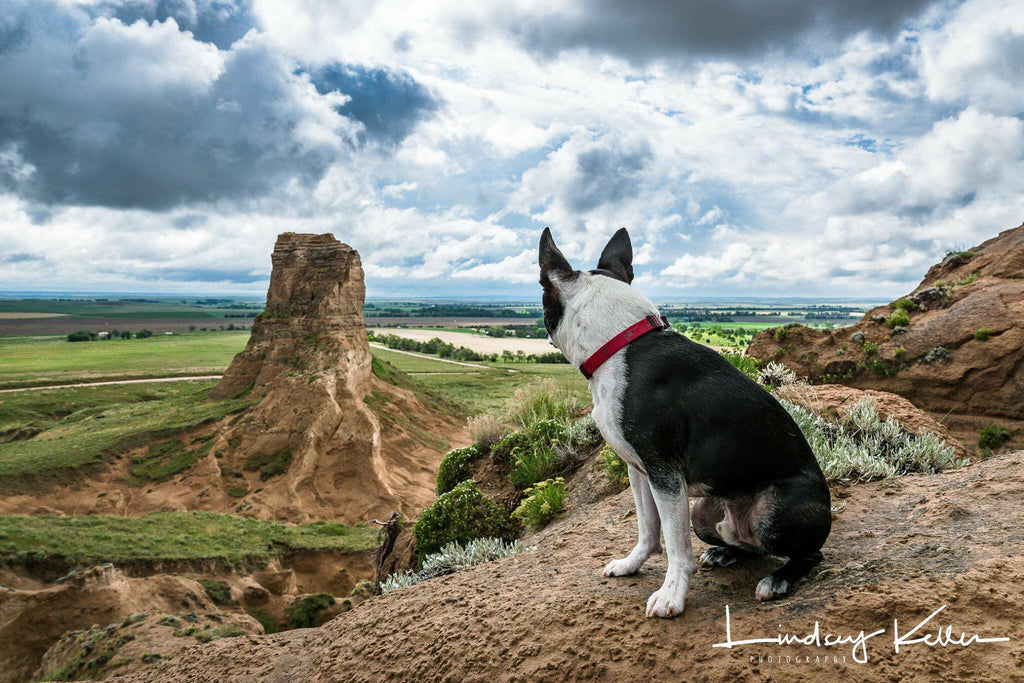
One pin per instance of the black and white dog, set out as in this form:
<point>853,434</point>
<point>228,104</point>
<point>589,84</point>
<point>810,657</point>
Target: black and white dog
<point>687,423</point>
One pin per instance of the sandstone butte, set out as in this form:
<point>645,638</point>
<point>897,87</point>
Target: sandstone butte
<point>942,360</point>
<point>335,441</point>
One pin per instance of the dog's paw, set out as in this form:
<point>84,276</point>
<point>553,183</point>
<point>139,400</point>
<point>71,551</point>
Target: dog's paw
<point>771,588</point>
<point>721,556</point>
<point>623,567</point>
<point>666,602</point>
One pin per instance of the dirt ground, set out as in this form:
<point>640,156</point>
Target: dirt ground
<point>899,552</point>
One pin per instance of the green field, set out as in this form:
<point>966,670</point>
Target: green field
<point>120,308</point>
<point>90,539</point>
<point>52,433</point>
<point>35,361</point>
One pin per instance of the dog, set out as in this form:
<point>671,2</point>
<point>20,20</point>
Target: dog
<point>687,423</point>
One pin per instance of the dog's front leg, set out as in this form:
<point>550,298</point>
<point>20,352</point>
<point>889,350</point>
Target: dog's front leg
<point>674,510</point>
<point>648,526</point>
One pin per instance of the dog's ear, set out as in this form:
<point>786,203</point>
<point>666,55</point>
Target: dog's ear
<point>617,257</point>
<point>551,260</point>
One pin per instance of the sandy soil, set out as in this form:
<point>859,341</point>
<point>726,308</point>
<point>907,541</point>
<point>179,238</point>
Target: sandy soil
<point>900,551</point>
<point>476,342</point>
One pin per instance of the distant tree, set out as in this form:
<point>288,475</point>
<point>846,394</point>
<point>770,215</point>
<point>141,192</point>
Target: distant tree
<point>231,326</point>
<point>191,328</point>
<point>81,335</point>
<point>126,334</point>
<point>143,334</point>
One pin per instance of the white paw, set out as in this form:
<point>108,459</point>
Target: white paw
<point>623,567</point>
<point>666,602</point>
<point>770,589</point>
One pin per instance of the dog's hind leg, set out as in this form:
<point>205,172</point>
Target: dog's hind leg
<point>648,526</point>
<point>794,525</point>
<point>674,509</point>
<point>707,514</point>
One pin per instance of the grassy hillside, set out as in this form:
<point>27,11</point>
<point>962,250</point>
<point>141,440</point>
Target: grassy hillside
<point>51,433</point>
<point>91,539</point>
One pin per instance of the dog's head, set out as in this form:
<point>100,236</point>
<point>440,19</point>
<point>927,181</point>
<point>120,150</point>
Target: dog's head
<point>583,309</point>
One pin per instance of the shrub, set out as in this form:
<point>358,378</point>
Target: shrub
<point>857,337</point>
<point>905,304</point>
<point>982,333</point>
<point>615,468</point>
<point>899,352</point>
<point>869,348</point>
<point>455,557</point>
<point>780,334</point>
<point>218,591</point>
<point>532,451</point>
<point>543,501</point>
<point>776,375</point>
<point>80,336</point>
<point>583,433</point>
<point>530,465</point>
<point>899,317</point>
<point>748,365</point>
<point>459,516</point>
<point>937,355</point>
<point>455,467</point>
<point>304,613</point>
<point>992,437</point>
<point>863,447</point>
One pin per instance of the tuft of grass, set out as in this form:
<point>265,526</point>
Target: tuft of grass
<point>780,334</point>
<point>904,304</point>
<point>899,352</point>
<point>863,447</point>
<point>992,437</point>
<point>542,503</point>
<point>455,557</point>
<point>218,591</point>
<point>869,348</point>
<point>269,464</point>
<point>165,460</point>
<point>534,457</point>
<point>82,540</point>
<point>983,333</point>
<point>544,400</point>
<point>614,467</point>
<point>304,613</point>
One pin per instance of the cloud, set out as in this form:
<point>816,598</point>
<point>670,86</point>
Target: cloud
<point>642,32</point>
<point>144,115</point>
<point>220,22</point>
<point>388,103</point>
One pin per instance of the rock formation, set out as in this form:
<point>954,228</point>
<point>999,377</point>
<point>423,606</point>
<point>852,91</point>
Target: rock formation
<point>328,438</point>
<point>959,355</point>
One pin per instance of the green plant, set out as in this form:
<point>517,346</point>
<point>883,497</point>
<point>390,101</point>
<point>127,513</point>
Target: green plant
<point>459,516</point>
<point>780,334</point>
<point>266,619</point>
<point>904,304</point>
<point>861,446</point>
<point>218,591</point>
<point>455,466</point>
<point>238,491</point>
<point>542,502</point>
<point>899,352</point>
<point>899,317</point>
<point>269,464</point>
<point>968,279</point>
<point>992,437</point>
<point>775,375</point>
<point>937,355</point>
<point>982,333</point>
<point>544,400</point>
<point>869,348</point>
<point>532,464</point>
<point>455,557</point>
<point>615,468</point>
<point>748,365</point>
<point>304,613</point>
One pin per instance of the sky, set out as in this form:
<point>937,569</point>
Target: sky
<point>750,148</point>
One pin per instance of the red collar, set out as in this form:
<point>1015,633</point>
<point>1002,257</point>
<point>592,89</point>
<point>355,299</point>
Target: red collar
<point>631,333</point>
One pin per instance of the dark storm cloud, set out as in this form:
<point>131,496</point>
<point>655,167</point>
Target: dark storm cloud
<point>96,111</point>
<point>388,103</point>
<point>607,175</point>
<point>644,31</point>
